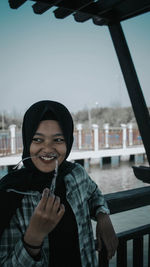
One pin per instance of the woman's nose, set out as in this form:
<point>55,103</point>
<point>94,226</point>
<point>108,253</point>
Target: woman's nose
<point>49,145</point>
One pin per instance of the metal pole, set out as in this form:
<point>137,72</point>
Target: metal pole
<point>133,86</point>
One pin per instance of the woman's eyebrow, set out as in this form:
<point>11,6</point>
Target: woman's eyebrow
<point>58,134</point>
<point>40,134</point>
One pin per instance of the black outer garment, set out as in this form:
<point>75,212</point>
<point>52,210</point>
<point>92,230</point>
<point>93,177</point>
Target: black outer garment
<point>30,178</point>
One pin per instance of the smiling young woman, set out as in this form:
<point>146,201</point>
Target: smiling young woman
<point>41,227</point>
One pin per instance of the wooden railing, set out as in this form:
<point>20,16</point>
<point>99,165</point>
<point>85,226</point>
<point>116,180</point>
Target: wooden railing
<point>123,201</point>
<point>137,237</point>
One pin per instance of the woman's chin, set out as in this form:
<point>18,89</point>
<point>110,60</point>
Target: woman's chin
<point>46,170</point>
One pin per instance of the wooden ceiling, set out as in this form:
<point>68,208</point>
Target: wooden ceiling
<point>102,12</point>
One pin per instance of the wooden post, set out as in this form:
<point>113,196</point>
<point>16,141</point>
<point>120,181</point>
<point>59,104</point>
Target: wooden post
<point>106,127</point>
<point>133,86</point>
<point>79,128</point>
<point>124,135</point>
<point>130,127</point>
<point>95,128</point>
<point>12,129</point>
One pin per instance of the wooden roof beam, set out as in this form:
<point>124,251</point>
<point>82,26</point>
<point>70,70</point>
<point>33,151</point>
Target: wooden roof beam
<point>62,12</point>
<point>81,17</point>
<point>41,7</point>
<point>16,3</point>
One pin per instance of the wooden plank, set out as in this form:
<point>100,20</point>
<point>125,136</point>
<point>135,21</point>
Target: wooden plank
<point>134,233</point>
<point>102,256</point>
<point>61,13</point>
<point>138,252</point>
<point>110,9</point>
<point>122,254</point>
<point>132,83</point>
<point>129,199</point>
<point>40,7</point>
<point>16,3</point>
<point>149,250</point>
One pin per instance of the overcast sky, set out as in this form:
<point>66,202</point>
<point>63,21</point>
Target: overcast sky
<point>42,57</point>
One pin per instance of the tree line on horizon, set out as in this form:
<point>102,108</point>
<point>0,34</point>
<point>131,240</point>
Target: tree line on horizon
<point>115,116</point>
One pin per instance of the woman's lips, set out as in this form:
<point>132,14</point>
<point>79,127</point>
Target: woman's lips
<point>48,158</point>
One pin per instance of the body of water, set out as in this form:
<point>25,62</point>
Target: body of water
<point>109,179</point>
<point>113,179</point>
<point>3,171</point>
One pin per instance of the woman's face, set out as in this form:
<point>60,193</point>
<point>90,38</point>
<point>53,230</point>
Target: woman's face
<point>47,144</point>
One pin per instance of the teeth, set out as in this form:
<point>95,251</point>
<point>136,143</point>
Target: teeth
<point>47,158</point>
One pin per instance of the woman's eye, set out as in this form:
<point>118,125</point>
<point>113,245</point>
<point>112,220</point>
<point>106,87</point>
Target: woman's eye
<point>37,140</point>
<point>59,140</point>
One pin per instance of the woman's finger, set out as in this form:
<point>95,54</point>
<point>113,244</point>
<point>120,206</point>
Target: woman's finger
<point>99,244</point>
<point>110,253</point>
<point>53,204</point>
<point>43,201</point>
<point>61,210</point>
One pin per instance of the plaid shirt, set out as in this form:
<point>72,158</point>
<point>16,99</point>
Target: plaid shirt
<point>86,202</point>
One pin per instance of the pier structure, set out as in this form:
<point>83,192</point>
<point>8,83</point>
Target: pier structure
<point>93,138</point>
<point>109,143</point>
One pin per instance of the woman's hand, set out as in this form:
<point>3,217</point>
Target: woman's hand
<point>46,216</point>
<point>105,232</point>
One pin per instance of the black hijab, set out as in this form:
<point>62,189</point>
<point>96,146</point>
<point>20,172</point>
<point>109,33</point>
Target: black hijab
<point>46,110</point>
<point>29,177</point>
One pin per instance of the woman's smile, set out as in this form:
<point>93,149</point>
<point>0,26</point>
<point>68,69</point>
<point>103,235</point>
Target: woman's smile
<point>46,158</point>
<point>48,144</point>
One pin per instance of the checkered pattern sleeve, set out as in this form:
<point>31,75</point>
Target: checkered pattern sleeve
<point>12,251</point>
<point>94,196</point>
